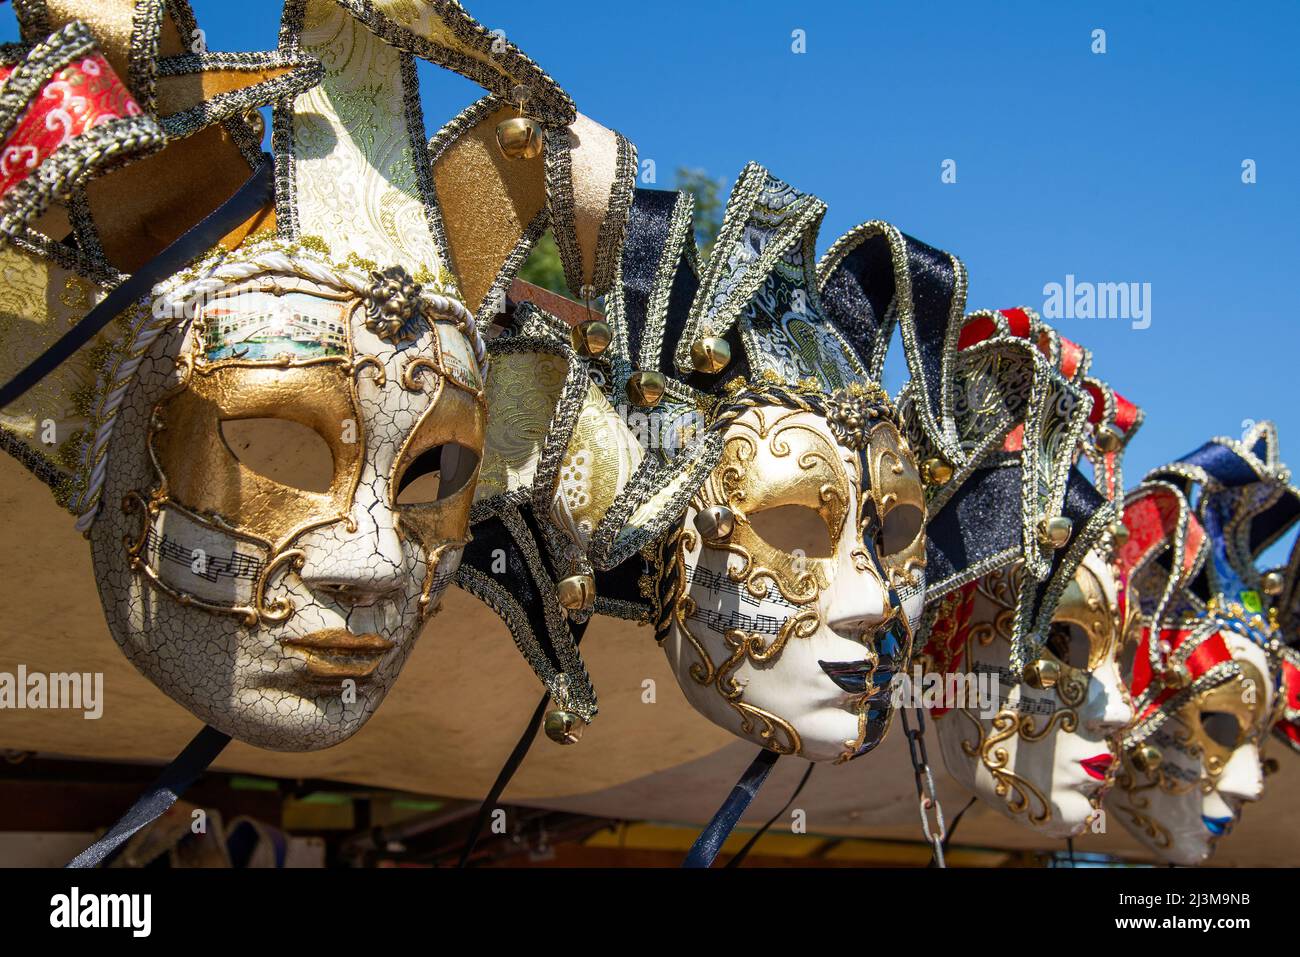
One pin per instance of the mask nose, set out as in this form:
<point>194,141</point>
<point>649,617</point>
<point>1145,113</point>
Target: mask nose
<point>1243,777</point>
<point>1109,704</point>
<point>358,567</point>
<point>858,602</point>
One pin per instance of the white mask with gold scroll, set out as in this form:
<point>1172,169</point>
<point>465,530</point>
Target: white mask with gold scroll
<point>275,465</point>
<point>787,629</point>
<point>1204,655</point>
<point>1209,763</point>
<point>1046,756</point>
<point>288,495</point>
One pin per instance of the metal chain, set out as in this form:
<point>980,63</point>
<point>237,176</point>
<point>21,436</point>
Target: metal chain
<point>926,797</point>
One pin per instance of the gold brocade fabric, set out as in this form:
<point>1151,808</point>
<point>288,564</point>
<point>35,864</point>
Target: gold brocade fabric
<point>600,460</point>
<point>39,302</point>
<point>355,173</point>
<point>522,391</point>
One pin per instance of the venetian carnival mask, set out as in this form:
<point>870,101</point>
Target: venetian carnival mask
<point>289,493</point>
<point>1045,756</point>
<point>798,577</point>
<point>1185,786</point>
<point>1205,658</point>
<point>273,438</point>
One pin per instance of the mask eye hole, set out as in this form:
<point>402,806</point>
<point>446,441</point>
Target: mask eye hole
<point>1222,728</point>
<point>1068,642</point>
<point>435,474</point>
<point>794,529</point>
<point>282,450</point>
<point>901,526</point>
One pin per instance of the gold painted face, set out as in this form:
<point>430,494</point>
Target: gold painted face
<point>446,442</point>
<point>197,443</point>
<point>272,379</point>
<point>1046,756</point>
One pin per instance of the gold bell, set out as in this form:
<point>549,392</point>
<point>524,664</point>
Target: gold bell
<point>1109,439</point>
<point>1176,677</point>
<point>1272,583</point>
<point>936,472</point>
<point>1055,532</point>
<point>1119,533</point>
<point>710,354</point>
<point>1146,758</point>
<point>1042,674</point>
<point>591,338</point>
<point>520,138</point>
<point>577,592</point>
<point>646,388</point>
<point>715,523</point>
<point>563,727</point>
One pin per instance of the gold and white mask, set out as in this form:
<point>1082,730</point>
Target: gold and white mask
<point>1042,753</point>
<point>289,491</point>
<point>1184,787</point>
<point>798,576</point>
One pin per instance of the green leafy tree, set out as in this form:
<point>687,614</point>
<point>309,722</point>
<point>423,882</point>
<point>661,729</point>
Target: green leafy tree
<point>543,267</point>
<point>709,204</point>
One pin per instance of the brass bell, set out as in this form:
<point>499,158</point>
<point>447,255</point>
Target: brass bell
<point>1119,532</point>
<point>1055,532</point>
<point>1176,677</point>
<point>646,388</point>
<point>710,354</point>
<point>520,138</point>
<point>936,472</point>
<point>563,727</point>
<point>1042,674</point>
<point>715,523</point>
<point>1272,583</point>
<point>1109,439</point>
<point>1146,758</point>
<point>591,338</point>
<point>577,592</point>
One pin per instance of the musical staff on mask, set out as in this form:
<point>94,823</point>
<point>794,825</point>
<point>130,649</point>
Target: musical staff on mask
<point>210,568</point>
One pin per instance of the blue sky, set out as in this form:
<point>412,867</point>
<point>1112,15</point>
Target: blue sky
<point>1115,167</point>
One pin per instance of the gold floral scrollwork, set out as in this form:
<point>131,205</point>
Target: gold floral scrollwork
<point>361,361</point>
<point>410,370</point>
<point>1019,794</point>
<point>771,725</point>
<point>1159,836</point>
<point>276,610</point>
